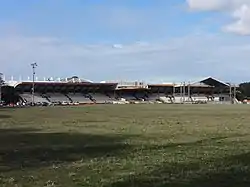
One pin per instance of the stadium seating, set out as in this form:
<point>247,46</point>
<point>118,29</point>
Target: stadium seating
<point>178,99</point>
<point>101,98</point>
<point>199,98</point>
<point>57,97</point>
<point>165,99</point>
<point>27,98</point>
<point>113,97</point>
<point>152,97</point>
<point>128,97</point>
<point>140,96</point>
<point>222,99</point>
<point>80,98</point>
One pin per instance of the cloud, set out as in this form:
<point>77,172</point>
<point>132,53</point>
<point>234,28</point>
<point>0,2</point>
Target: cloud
<point>177,59</point>
<point>239,10</point>
<point>242,25</point>
<point>205,5</point>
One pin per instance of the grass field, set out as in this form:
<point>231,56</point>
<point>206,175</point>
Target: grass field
<point>126,146</point>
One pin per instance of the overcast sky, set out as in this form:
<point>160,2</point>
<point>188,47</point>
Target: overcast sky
<point>155,41</point>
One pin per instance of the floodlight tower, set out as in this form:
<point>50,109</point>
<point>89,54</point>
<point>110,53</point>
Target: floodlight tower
<point>33,65</point>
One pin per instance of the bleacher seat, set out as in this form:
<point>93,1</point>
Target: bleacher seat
<point>152,97</point>
<point>101,98</point>
<point>57,97</point>
<point>128,97</point>
<point>80,98</point>
<point>199,98</point>
<point>178,99</point>
<point>28,98</point>
<point>165,99</point>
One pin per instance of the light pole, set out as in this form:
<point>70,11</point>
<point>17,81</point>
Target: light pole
<point>33,65</point>
<point>234,94</point>
<point>230,93</point>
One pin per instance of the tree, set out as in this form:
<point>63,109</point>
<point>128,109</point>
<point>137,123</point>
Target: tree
<point>243,91</point>
<point>1,84</point>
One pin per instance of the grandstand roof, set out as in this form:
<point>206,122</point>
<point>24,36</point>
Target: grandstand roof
<point>132,88</point>
<point>75,81</point>
<point>200,84</point>
<point>214,82</point>
<point>161,85</point>
<point>57,83</point>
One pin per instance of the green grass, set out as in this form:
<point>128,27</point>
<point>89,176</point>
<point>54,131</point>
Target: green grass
<point>126,146</point>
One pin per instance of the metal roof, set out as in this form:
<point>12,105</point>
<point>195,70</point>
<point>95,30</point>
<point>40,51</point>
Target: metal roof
<point>59,83</point>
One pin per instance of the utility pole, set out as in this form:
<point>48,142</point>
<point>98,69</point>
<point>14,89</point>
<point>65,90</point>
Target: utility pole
<point>33,65</point>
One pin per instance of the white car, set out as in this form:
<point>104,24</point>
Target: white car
<point>65,103</point>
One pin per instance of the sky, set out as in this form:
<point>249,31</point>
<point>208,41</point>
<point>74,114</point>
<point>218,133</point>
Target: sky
<point>133,40</point>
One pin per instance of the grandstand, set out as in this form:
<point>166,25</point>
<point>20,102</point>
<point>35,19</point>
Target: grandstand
<point>80,91</point>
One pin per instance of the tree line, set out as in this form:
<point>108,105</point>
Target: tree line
<point>243,91</point>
